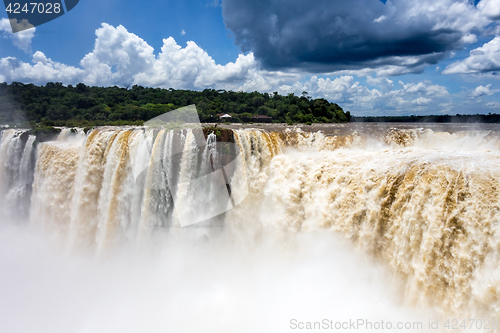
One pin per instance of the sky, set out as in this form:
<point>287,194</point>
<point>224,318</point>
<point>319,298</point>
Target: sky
<point>372,57</point>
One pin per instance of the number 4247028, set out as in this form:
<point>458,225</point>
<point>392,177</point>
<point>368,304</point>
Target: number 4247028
<point>34,8</point>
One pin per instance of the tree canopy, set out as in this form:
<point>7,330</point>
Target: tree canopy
<point>82,105</point>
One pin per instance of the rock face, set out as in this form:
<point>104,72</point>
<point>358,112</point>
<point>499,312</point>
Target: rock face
<point>222,134</point>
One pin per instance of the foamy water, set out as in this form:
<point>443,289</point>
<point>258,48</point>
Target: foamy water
<point>397,225</point>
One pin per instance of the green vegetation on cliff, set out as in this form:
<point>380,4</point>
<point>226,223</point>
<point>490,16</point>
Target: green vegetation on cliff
<point>58,105</point>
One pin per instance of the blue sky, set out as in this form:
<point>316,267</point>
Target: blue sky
<point>372,58</point>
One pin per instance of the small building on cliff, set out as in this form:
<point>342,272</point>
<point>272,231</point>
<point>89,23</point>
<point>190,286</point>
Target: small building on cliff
<point>224,116</point>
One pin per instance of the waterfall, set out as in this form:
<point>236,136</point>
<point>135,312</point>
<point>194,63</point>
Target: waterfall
<point>120,185</point>
<point>16,172</point>
<point>422,201</point>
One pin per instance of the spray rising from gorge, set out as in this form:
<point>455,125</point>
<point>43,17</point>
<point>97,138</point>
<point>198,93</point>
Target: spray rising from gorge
<point>420,201</point>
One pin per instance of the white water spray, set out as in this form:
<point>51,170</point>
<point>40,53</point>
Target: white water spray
<point>421,205</point>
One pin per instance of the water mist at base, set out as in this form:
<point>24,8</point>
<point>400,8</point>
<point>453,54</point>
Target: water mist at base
<point>192,286</point>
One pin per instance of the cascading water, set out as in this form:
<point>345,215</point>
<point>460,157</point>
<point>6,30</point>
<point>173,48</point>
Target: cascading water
<point>16,172</point>
<point>423,202</point>
<point>429,211</point>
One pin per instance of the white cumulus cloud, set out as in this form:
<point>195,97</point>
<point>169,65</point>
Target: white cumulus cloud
<point>42,71</point>
<point>118,56</point>
<point>483,59</point>
<point>490,8</point>
<point>20,39</point>
<point>482,91</point>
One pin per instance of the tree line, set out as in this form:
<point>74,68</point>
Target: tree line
<point>458,118</point>
<point>81,106</point>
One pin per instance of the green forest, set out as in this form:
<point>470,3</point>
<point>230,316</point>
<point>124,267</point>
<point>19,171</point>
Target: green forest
<point>82,106</point>
<point>446,118</point>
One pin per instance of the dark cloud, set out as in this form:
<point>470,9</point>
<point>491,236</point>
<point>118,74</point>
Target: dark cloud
<point>327,35</point>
